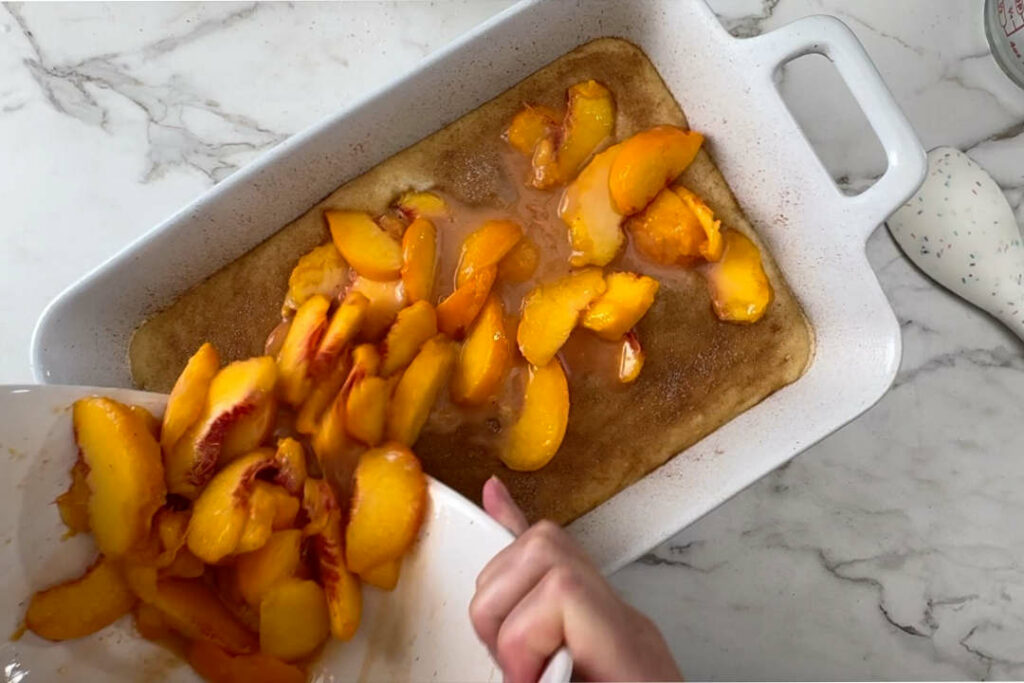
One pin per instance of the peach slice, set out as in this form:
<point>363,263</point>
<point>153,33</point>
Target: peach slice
<point>521,262</point>
<point>185,565</point>
<point>170,527</point>
<point>125,476</point>
<point>286,509</point>
<point>551,311</point>
<point>221,512</point>
<point>344,599</point>
<point>457,312</point>
<point>293,619</point>
<point>290,460</point>
<point>320,396</point>
<point>148,420</point>
<point>740,290</point>
<point>366,409</point>
<point>262,508</point>
<point>586,207</point>
<point>418,389</point>
<point>531,125</point>
<point>668,231</point>
<point>484,358</point>
<point>535,438</point>
<point>589,121</point>
<point>249,431</point>
<point>193,609</point>
<point>217,666</point>
<point>387,507</point>
<point>240,390</point>
<point>81,606</point>
<point>631,358</point>
<point>419,259</point>
<point>711,247</point>
<point>318,502</point>
<point>625,301</point>
<point>414,325</point>
<point>485,247</point>
<point>422,204</point>
<point>188,395</point>
<point>342,329</point>
<point>365,362</point>
<point>320,271</point>
<point>300,346</point>
<point>367,248</point>
<point>330,440</point>
<point>73,504</point>
<point>649,161</point>
<point>386,300</point>
<point>277,559</point>
<point>149,622</point>
<point>383,576</point>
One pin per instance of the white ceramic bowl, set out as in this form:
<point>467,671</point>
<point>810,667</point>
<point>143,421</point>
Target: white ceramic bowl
<point>420,631</point>
<point>726,87</point>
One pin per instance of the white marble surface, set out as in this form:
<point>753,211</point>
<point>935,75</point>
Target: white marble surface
<point>894,549</point>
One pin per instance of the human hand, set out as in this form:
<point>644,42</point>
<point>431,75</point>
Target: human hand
<point>542,591</point>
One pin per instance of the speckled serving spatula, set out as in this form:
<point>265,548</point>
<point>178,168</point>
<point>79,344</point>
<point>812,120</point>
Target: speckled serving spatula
<point>960,230</point>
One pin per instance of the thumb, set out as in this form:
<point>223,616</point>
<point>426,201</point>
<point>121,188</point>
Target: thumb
<point>499,505</point>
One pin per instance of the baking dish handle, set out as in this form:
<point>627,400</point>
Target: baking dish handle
<point>907,163</point>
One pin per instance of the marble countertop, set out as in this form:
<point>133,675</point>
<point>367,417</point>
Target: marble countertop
<point>893,549</point>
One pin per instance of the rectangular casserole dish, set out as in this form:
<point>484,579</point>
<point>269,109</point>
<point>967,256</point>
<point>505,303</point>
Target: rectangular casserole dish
<point>726,88</point>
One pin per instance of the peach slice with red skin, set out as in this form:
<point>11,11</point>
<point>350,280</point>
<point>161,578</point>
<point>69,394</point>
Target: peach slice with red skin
<point>414,325</point>
<point>532,124</point>
<point>386,300</point>
<point>419,259</point>
<point>366,409</point>
<point>371,251</point>
<point>82,606</point>
<point>259,570</point>
<point>259,524</point>
<point>520,262</point>
<point>329,440</point>
<point>631,358</point>
<point>537,435</point>
<point>485,247</point>
<point>249,431</point>
<point>193,609</point>
<point>240,390</point>
<point>388,502</point>
<point>649,161</point>
<point>320,397</point>
<point>342,329</point>
<point>125,476</point>
<point>551,311</point>
<point>422,204</point>
<point>485,357</point>
<point>341,588</point>
<point>739,288</point>
<point>625,301</point>
<point>416,392</point>
<point>73,504</point>
<point>300,347</point>
<point>186,400</point>
<point>217,666</point>
<point>293,619</point>
<point>457,312</point>
<point>321,271</point>
<point>587,209</point>
<point>290,461</point>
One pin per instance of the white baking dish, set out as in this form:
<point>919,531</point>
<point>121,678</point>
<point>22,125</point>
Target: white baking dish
<point>725,85</point>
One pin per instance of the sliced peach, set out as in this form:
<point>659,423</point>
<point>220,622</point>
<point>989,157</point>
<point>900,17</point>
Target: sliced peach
<point>422,205</point>
<point>330,439</point>
<point>649,161</point>
<point>320,271</point>
<point>193,609</point>
<point>365,362</point>
<point>290,460</point>
<point>418,389</point>
<point>536,436</point>
<point>320,396</point>
<point>625,301</point>
<point>249,431</point>
<point>238,390</point>
<point>386,300</point>
<point>277,559</point>
<point>318,502</point>
<point>366,410</point>
<point>589,121</point>
<point>594,222</point>
<point>387,507</point>
<point>82,606</point>
<point>457,312</point>
<point>344,326</point>
<point>221,512</point>
<point>149,622</point>
<point>300,346</point>
<point>170,527</point>
<point>631,358</point>
<point>344,599</point>
<point>185,565</point>
<point>521,262</point>
<point>419,260</point>
<point>262,508</point>
<point>148,420</point>
<point>293,619</point>
<point>551,310</point>
<point>188,395</point>
<point>484,358</point>
<point>217,666</point>
<point>740,290</point>
<point>286,509</point>
<point>414,325</point>
<point>383,576</point>
<point>367,248</point>
<point>485,247</point>
<point>125,477</point>
<point>668,231</point>
<point>531,125</point>
<point>73,504</point>
<point>711,247</point>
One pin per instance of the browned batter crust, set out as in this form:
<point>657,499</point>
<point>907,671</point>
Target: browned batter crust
<point>700,372</point>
